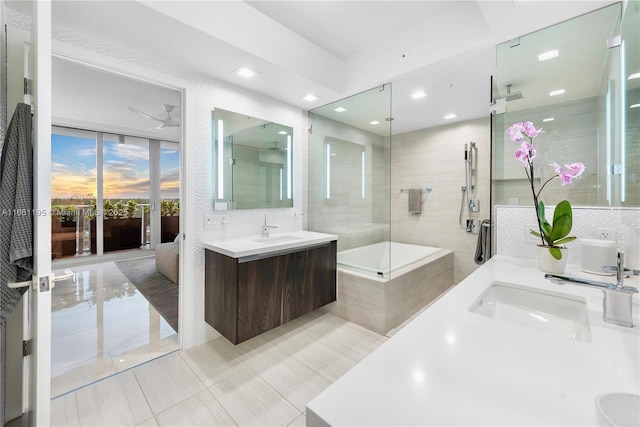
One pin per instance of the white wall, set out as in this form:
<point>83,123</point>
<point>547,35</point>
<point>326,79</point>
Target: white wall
<point>201,95</point>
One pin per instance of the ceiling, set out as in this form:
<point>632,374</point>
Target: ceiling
<point>332,49</point>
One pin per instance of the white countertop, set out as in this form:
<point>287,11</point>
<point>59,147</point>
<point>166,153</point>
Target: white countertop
<point>450,366</point>
<point>276,242</point>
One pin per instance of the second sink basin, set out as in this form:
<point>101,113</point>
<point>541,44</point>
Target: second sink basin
<point>618,409</point>
<point>550,312</point>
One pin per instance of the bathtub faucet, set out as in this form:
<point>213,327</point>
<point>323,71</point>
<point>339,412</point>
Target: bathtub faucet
<point>265,228</point>
<point>617,305</point>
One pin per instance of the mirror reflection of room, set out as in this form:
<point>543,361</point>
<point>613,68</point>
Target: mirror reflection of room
<point>252,162</point>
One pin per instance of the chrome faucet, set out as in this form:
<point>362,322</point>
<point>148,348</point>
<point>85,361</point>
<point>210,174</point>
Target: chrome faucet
<point>265,228</point>
<point>617,307</point>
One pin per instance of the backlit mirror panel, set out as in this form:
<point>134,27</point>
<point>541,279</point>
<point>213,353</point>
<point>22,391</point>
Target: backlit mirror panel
<point>252,162</point>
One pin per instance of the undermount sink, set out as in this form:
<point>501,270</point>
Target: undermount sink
<point>551,312</point>
<point>277,239</point>
<point>618,409</point>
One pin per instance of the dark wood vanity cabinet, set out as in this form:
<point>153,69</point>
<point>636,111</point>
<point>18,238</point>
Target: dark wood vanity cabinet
<point>245,297</point>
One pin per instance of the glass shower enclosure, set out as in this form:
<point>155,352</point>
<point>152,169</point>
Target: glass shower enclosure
<point>349,173</point>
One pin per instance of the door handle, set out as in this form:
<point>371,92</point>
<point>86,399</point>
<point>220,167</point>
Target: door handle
<point>68,274</point>
<point>16,285</point>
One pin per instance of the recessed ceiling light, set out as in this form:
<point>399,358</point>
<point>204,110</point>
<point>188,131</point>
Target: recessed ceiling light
<point>451,116</point>
<point>310,97</point>
<point>419,94</point>
<point>245,72</point>
<point>548,55</point>
<point>283,132</point>
<point>339,109</point>
<point>548,119</point>
<point>634,76</point>
<point>374,122</point>
<point>556,92</point>
<point>635,106</point>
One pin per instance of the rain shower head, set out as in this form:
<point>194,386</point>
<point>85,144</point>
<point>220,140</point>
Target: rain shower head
<point>512,96</point>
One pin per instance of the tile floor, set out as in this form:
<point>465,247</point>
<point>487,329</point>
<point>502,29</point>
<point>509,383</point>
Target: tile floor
<point>101,325</point>
<point>267,380</point>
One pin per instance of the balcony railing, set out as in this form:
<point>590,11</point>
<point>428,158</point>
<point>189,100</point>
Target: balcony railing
<point>74,230</point>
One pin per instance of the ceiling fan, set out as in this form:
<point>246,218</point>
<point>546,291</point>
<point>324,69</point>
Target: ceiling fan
<point>166,122</point>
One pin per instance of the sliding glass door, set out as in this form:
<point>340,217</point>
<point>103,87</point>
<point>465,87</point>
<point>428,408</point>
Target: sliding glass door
<point>112,192</point>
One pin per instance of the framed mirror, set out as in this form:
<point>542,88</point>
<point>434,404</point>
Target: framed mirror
<point>252,162</point>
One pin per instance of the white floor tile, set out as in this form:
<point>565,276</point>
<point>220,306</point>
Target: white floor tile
<point>151,422</point>
<point>199,410</point>
<point>301,421</point>
<point>326,361</point>
<point>64,411</point>
<point>251,401</point>
<point>214,360</point>
<point>167,381</point>
<point>115,401</point>
<point>289,377</point>
<point>267,380</point>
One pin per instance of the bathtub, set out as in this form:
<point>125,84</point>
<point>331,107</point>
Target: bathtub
<point>384,259</point>
<point>381,286</point>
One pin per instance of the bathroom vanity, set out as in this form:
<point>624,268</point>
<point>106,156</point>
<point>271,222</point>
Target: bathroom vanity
<point>503,347</point>
<point>255,284</point>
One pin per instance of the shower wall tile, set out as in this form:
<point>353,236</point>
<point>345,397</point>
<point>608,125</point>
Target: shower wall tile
<point>513,235</point>
<point>435,158</point>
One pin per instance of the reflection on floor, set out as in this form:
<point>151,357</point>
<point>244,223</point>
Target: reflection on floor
<point>100,325</point>
<point>267,380</point>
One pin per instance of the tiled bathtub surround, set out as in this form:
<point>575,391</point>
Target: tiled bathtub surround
<point>380,304</point>
<point>513,223</point>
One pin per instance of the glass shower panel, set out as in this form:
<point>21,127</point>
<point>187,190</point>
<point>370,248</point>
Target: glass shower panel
<point>630,103</point>
<point>349,175</point>
<point>537,76</point>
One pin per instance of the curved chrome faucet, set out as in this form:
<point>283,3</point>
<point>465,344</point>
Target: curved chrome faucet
<point>617,306</point>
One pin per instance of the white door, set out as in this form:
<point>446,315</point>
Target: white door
<point>40,363</point>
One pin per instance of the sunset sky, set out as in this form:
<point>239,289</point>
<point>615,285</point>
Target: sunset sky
<point>126,169</point>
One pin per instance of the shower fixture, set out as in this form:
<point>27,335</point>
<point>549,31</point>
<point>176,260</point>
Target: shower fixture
<point>472,205</point>
<point>512,96</point>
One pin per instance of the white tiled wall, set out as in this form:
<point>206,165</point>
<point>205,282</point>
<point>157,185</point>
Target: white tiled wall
<point>513,236</point>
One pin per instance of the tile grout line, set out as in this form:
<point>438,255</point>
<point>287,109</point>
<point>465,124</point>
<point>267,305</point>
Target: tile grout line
<point>281,395</point>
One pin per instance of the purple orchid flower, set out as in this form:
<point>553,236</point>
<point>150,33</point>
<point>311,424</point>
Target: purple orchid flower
<point>572,171</point>
<point>526,153</point>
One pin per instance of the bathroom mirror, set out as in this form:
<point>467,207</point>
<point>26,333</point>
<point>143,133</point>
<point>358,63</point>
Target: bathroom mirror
<point>252,162</point>
<point>576,81</point>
